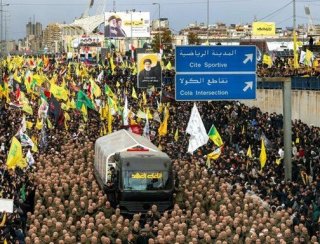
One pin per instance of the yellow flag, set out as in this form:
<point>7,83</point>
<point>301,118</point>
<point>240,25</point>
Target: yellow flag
<point>315,63</point>
<point>49,124</point>
<point>39,124</point>
<point>84,112</point>
<point>144,98</point>
<point>29,124</point>
<point>109,120</point>
<point>267,60</point>
<point>22,163</point>
<point>215,154</point>
<point>15,153</point>
<point>249,153</point>
<point>295,51</point>
<point>4,219</point>
<point>148,114</point>
<point>118,84</point>
<point>38,79</point>
<point>59,92</point>
<point>263,155</point>
<point>16,77</point>
<point>309,57</point>
<point>134,94</point>
<point>72,104</point>
<point>27,108</point>
<point>64,106</point>
<point>278,161</point>
<point>169,66</point>
<point>35,144</point>
<point>103,112</point>
<point>66,125</point>
<point>66,116</point>
<point>112,65</point>
<point>176,135</point>
<point>163,128</point>
<point>104,130</point>
<point>95,88</point>
<point>134,71</point>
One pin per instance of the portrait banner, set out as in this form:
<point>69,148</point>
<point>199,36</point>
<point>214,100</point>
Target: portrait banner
<point>127,25</point>
<point>149,70</point>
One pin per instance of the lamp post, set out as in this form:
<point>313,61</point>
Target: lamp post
<point>159,24</point>
<point>131,11</point>
<point>208,22</point>
<point>1,26</point>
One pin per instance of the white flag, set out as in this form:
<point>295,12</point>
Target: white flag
<point>197,131</point>
<point>125,112</point>
<point>302,57</point>
<point>146,129</point>
<point>25,140</point>
<point>100,77</point>
<point>29,157</point>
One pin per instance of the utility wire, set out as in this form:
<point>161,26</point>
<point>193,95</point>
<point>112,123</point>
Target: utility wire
<point>276,11</point>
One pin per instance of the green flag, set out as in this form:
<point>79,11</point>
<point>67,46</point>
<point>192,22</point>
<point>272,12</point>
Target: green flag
<point>215,136</point>
<point>82,98</point>
<point>23,192</point>
<point>108,91</point>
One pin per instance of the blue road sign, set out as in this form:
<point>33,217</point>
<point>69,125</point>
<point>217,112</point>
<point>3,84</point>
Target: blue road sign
<point>215,87</point>
<point>215,72</point>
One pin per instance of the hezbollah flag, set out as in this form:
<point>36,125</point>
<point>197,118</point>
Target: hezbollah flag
<point>263,154</point>
<point>215,136</point>
<point>15,154</point>
<point>95,88</point>
<point>176,135</point>
<point>59,92</point>
<point>267,60</point>
<point>249,152</point>
<point>108,91</point>
<point>82,98</point>
<point>163,128</point>
<point>215,154</point>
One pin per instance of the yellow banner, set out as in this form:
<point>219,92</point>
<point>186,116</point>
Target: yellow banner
<point>141,175</point>
<point>263,29</point>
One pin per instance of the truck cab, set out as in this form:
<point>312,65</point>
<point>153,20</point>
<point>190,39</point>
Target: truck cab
<point>141,174</point>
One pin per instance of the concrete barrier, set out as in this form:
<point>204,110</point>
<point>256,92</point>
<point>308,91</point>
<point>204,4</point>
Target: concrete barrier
<point>305,104</point>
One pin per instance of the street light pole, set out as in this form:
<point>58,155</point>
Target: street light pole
<point>159,24</point>
<point>131,41</point>
<point>208,22</point>
<point>1,25</point>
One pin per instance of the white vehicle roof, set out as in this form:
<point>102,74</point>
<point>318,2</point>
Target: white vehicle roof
<point>118,141</point>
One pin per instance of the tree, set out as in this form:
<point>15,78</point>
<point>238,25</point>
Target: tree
<point>166,41</point>
<point>193,38</point>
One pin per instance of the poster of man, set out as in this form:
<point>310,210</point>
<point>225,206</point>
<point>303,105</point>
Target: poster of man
<point>127,25</point>
<point>149,70</point>
<point>114,28</point>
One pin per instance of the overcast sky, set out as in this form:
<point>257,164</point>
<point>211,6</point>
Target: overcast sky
<point>179,12</point>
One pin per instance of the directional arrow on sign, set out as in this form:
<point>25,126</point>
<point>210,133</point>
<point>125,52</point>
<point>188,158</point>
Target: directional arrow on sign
<point>249,57</point>
<point>249,85</point>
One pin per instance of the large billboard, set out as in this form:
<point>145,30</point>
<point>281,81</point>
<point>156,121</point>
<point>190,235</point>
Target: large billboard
<point>149,70</point>
<point>126,24</point>
<point>263,29</point>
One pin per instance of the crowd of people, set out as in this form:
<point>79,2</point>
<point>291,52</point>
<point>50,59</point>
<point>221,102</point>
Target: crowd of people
<point>227,200</point>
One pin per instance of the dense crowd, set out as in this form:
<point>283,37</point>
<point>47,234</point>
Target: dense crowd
<point>228,200</point>
<point>284,67</point>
